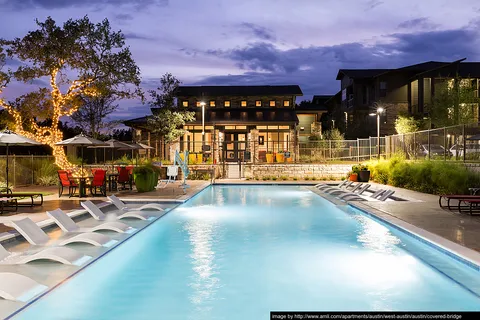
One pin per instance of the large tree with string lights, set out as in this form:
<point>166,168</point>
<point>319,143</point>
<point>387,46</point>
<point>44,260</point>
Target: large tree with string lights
<point>76,58</point>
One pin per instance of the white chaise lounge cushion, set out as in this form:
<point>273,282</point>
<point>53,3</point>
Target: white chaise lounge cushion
<point>99,215</point>
<point>68,225</point>
<point>59,254</point>
<point>36,236</point>
<point>17,287</point>
<point>122,206</point>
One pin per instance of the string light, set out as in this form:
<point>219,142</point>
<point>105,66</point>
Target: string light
<point>63,105</point>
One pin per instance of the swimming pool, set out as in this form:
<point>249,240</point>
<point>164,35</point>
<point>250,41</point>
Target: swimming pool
<point>243,251</point>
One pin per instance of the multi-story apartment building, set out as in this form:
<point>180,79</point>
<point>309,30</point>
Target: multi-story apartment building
<point>410,89</point>
<point>239,122</point>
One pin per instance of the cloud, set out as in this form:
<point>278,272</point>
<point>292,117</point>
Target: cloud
<point>420,23</point>
<point>372,4</point>
<point>137,36</point>
<point>58,4</point>
<point>259,32</point>
<point>123,17</point>
<point>314,68</point>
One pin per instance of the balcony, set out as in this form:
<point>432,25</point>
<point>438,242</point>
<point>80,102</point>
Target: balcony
<point>350,103</point>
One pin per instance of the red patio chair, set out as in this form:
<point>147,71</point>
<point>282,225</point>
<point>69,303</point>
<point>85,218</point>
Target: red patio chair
<point>124,177</point>
<point>99,182</point>
<point>65,181</point>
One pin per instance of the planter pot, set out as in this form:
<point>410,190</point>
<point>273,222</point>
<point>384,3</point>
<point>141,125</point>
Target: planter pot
<point>280,157</point>
<point>353,177</point>
<point>290,159</point>
<point>199,158</point>
<point>143,182</point>
<point>182,156</point>
<point>364,176</point>
<point>154,180</point>
<point>192,158</point>
<point>269,157</point>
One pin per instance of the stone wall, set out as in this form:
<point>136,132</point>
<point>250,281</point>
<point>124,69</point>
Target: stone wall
<point>299,171</point>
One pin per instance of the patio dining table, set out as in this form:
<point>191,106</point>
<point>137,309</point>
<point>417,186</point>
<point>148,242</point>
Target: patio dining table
<point>82,185</point>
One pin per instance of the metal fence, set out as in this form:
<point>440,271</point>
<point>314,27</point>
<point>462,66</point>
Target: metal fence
<point>27,170</point>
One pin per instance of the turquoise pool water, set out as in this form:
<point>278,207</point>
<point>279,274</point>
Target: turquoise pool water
<point>239,252</point>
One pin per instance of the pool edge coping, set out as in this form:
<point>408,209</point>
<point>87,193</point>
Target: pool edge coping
<point>462,254</point>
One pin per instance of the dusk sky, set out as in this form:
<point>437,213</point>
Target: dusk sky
<point>249,42</point>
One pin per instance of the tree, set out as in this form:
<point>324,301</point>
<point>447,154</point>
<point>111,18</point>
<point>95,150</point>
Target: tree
<point>169,119</point>
<point>405,126</point>
<point>454,103</point>
<point>77,59</point>
<point>93,111</point>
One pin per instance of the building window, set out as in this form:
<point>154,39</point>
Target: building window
<point>227,103</point>
<point>185,103</point>
<point>243,103</point>
<point>383,89</point>
<point>258,103</point>
<point>272,103</point>
<point>286,103</point>
<point>212,103</point>
<point>198,104</point>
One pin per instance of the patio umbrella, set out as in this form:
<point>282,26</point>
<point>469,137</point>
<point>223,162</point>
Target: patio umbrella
<point>81,141</point>
<point>10,138</point>
<point>114,144</point>
<point>136,146</point>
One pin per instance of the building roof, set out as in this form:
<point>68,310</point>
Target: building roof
<point>360,73</point>
<point>429,68</point>
<point>214,91</point>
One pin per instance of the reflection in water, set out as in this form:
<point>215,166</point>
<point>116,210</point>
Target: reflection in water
<point>204,283</point>
<point>375,236</point>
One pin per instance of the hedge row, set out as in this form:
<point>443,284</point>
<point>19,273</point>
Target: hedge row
<point>435,177</point>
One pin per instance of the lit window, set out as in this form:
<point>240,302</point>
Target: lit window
<point>272,103</point>
<point>198,104</point>
<point>243,103</point>
<point>212,103</point>
<point>258,103</point>
<point>286,103</point>
<point>227,103</point>
<point>185,103</point>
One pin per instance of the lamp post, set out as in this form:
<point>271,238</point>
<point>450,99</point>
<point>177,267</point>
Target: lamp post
<point>378,113</point>
<point>203,129</point>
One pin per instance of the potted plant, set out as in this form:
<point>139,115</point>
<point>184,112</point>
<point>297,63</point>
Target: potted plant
<point>353,175</point>
<point>143,177</point>
<point>269,157</point>
<point>280,156</point>
<point>363,174</point>
<point>192,158</point>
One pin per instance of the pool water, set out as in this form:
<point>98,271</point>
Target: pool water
<point>239,252</point>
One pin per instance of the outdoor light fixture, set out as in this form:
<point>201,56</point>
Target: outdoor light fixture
<point>302,128</point>
<point>378,113</point>
<point>202,104</point>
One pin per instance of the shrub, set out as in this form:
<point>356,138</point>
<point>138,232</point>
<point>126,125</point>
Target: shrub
<point>283,178</point>
<point>257,178</point>
<point>425,176</point>
<point>274,178</point>
<point>265,178</point>
<point>295,178</point>
<point>307,178</point>
<point>314,178</point>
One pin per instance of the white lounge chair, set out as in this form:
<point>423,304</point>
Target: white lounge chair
<point>326,185</point>
<point>59,254</point>
<point>99,215</point>
<point>339,191</point>
<point>385,195</point>
<point>16,287</point>
<point>339,187</point>
<point>123,207</point>
<point>68,225</point>
<point>355,193</point>
<point>36,236</point>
